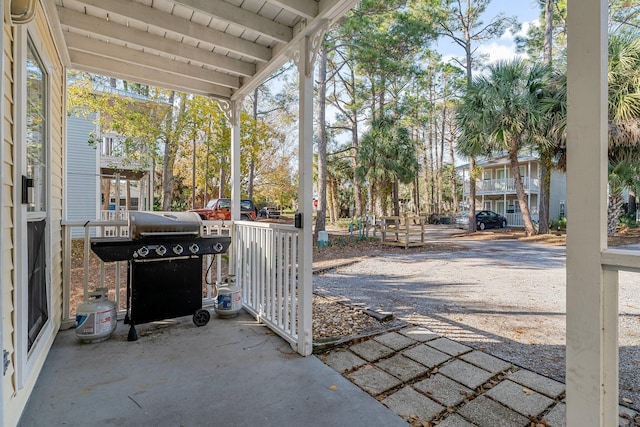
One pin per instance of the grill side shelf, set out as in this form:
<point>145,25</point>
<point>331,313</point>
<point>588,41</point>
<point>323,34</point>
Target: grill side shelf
<point>110,249</point>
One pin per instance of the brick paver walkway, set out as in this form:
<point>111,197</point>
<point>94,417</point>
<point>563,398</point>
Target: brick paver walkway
<point>426,378</point>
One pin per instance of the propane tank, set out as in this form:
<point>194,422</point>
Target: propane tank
<point>228,300</point>
<point>96,318</point>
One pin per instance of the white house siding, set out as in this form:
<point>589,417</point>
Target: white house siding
<point>82,188</point>
<point>7,219</point>
<point>15,397</point>
<point>557,194</point>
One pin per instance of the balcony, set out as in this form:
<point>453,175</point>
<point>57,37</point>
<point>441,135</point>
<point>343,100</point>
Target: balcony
<point>502,186</point>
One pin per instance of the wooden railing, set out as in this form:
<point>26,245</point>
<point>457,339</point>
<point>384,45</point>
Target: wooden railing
<point>407,229</point>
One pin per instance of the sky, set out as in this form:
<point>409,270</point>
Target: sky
<point>526,12</point>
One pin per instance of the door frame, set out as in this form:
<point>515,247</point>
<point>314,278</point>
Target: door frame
<point>25,358</point>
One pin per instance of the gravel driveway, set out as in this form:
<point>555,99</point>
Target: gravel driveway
<point>505,297</point>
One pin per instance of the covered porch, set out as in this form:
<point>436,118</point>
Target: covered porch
<point>231,372</point>
<point>225,49</point>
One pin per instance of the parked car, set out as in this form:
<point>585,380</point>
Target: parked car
<point>461,220</point>
<point>269,212</point>
<point>490,219</point>
<point>220,209</point>
<point>484,219</point>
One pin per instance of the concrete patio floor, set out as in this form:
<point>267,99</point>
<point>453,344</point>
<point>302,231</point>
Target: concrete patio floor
<point>231,372</point>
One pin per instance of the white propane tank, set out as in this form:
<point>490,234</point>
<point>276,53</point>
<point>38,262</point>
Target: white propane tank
<point>96,318</point>
<point>228,301</point>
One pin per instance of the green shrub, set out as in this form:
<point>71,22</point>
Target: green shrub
<point>628,219</point>
<point>559,224</point>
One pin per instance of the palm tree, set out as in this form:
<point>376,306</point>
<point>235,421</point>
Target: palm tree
<point>502,111</point>
<point>622,175</point>
<point>624,119</point>
<point>386,157</point>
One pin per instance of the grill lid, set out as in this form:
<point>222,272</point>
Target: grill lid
<point>150,224</point>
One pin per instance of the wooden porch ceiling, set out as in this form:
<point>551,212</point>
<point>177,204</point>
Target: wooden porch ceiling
<point>217,48</point>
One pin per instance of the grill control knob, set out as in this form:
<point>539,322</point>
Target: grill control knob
<point>194,248</point>
<point>161,250</point>
<point>218,247</point>
<point>143,251</point>
<point>177,249</point>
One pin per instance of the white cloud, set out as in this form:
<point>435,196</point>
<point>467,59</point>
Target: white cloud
<point>498,51</point>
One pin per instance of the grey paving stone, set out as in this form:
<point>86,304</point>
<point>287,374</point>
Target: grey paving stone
<point>426,355</point>
<point>627,417</point>
<point>455,420</point>
<point>371,350</point>
<point>521,399</point>
<point>443,390</point>
<point>419,334</point>
<point>402,367</point>
<point>373,380</point>
<point>465,373</point>
<point>557,417</point>
<point>452,348</point>
<point>407,402</point>
<point>342,360</point>
<point>395,340</point>
<point>485,412</point>
<point>486,361</point>
<point>538,383</point>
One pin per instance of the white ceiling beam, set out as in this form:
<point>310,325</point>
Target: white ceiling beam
<point>167,22</point>
<point>105,66</point>
<point>241,17</point>
<point>308,9</point>
<point>110,30</point>
<point>154,62</point>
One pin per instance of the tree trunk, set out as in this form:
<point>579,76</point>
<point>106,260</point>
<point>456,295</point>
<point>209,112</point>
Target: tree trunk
<point>545,191</point>
<point>170,150</point>
<point>223,179</point>
<point>322,142</point>
<point>633,206</point>
<point>106,191</point>
<point>613,212</point>
<point>522,197</point>
<point>454,181</point>
<point>546,156</point>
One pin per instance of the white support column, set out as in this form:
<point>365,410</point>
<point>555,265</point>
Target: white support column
<point>234,121</point>
<point>231,109</point>
<point>304,60</point>
<point>592,303</point>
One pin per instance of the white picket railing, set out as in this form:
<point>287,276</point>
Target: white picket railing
<point>267,271</point>
<point>502,186</point>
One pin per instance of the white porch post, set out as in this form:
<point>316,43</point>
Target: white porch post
<point>234,120</point>
<point>233,115</point>
<point>592,306</point>
<point>305,61</point>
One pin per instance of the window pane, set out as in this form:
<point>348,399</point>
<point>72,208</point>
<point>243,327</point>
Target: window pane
<point>36,129</point>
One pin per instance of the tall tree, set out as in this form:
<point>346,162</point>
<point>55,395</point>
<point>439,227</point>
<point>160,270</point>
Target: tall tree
<point>461,22</point>
<point>387,157</point>
<point>322,141</point>
<point>500,112</point>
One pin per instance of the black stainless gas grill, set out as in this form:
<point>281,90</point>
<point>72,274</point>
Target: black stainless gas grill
<point>164,271</point>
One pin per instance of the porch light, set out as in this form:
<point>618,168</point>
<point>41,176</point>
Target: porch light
<point>22,11</point>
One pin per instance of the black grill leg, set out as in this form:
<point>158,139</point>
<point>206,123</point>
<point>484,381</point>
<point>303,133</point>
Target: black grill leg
<point>133,335</point>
